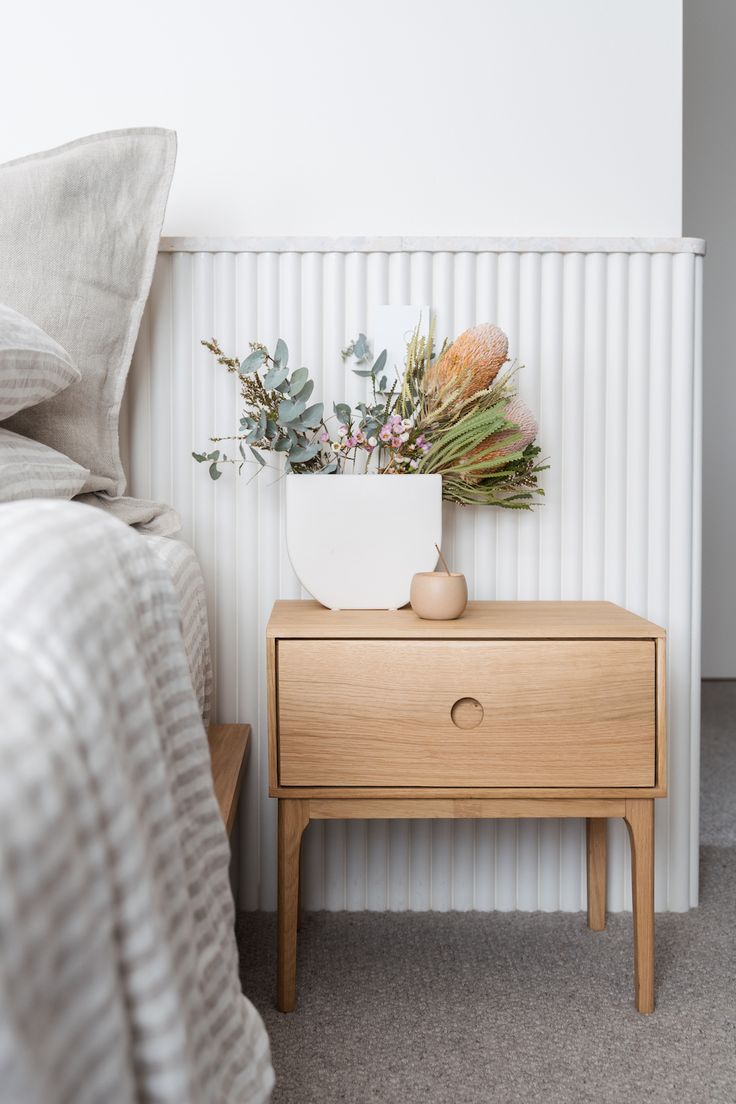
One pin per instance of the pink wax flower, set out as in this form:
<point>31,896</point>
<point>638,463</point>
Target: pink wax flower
<point>324,437</point>
<point>342,430</point>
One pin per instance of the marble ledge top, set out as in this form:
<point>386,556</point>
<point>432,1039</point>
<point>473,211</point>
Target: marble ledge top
<point>430,245</point>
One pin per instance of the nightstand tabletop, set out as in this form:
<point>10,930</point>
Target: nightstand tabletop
<point>482,620</point>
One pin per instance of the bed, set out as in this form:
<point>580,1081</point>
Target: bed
<point>118,977</point>
<point>118,964</point>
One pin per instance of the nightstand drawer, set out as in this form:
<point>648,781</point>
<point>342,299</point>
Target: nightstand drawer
<point>467,713</point>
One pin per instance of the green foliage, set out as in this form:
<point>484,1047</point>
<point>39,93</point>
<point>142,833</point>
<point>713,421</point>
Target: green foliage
<point>276,416</point>
<point>464,437</point>
<point>359,348</point>
<point>511,483</point>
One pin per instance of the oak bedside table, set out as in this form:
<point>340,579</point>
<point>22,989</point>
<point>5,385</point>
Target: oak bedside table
<point>518,709</point>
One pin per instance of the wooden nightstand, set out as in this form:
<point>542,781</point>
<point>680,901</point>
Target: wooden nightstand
<point>519,709</point>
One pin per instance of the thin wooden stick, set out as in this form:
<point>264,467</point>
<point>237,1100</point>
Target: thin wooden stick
<point>444,561</point>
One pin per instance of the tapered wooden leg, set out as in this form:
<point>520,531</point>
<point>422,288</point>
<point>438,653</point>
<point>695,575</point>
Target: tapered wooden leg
<point>596,840</point>
<point>640,822</point>
<point>293,819</point>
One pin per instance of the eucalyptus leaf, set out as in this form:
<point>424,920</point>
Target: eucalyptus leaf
<point>258,457</point>
<point>252,362</point>
<point>271,429</point>
<point>199,457</point>
<point>214,455</point>
<point>306,391</point>
<point>275,376</point>
<point>379,363</point>
<point>281,353</point>
<point>282,445</point>
<point>328,469</point>
<point>360,347</point>
<point>215,472</point>
<point>366,373</point>
<point>312,416</point>
<point>290,410</point>
<point>301,455</point>
<point>343,412</point>
<point>298,380</point>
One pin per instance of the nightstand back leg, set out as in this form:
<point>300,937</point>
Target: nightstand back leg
<point>293,819</point>
<point>640,822</point>
<point>596,841</point>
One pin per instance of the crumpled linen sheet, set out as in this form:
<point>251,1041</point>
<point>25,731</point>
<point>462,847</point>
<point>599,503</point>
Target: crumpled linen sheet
<point>118,965</point>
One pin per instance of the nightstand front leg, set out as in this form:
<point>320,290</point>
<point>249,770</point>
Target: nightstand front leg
<point>640,823</point>
<point>293,819</point>
<point>596,841</point>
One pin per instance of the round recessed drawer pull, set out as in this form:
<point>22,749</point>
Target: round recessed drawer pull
<point>466,713</point>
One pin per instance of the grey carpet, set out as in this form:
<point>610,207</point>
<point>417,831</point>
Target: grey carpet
<point>718,766</point>
<point>459,1008</point>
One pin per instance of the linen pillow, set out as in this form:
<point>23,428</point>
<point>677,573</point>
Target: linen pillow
<point>29,469</point>
<point>79,232</point>
<point>33,366</point>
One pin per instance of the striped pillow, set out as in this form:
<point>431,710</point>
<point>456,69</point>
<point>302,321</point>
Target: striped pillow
<point>33,367</point>
<point>29,469</point>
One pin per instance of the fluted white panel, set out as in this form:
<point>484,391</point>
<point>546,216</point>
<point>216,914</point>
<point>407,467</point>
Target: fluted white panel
<point>610,339</point>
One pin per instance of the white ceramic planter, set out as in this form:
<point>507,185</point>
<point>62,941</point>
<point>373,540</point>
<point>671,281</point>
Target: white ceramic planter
<point>355,541</point>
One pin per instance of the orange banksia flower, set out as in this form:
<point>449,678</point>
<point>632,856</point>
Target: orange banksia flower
<point>472,362</point>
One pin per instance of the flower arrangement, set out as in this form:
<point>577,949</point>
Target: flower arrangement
<point>455,413</point>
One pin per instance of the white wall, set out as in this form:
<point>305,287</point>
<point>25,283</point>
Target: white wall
<point>710,210</point>
<point>388,117</point>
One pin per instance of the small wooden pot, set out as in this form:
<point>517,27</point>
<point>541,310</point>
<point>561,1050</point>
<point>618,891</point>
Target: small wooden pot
<point>437,596</point>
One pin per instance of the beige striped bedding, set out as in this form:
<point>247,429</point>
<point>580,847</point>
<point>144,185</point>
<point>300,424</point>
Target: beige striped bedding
<point>118,966</point>
<point>33,367</point>
<point>186,574</point>
<point>29,469</point>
